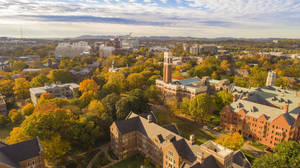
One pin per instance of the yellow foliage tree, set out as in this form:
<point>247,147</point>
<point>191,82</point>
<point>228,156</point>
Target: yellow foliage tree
<point>17,135</point>
<point>21,88</point>
<point>89,85</point>
<point>27,109</point>
<point>234,141</point>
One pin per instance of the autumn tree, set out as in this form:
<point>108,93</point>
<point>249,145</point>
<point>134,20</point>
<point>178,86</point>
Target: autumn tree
<point>19,65</point>
<point>89,86</point>
<point>15,116</point>
<point>27,109</point>
<point>135,80</point>
<point>39,81</point>
<point>96,108</point>
<point>17,135</point>
<point>234,141</point>
<point>6,87</point>
<point>21,88</point>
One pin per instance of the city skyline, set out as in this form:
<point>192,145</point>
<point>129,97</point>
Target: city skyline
<point>195,18</point>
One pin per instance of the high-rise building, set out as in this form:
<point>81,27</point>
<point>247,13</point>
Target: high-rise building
<point>271,79</point>
<point>129,42</point>
<point>167,78</point>
<point>185,47</point>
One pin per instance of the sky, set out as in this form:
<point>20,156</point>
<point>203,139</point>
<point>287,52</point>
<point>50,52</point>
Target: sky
<point>194,18</point>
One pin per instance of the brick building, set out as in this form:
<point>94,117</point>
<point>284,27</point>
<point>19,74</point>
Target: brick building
<point>27,154</point>
<point>56,90</point>
<point>189,87</point>
<point>269,115</point>
<point>164,147</point>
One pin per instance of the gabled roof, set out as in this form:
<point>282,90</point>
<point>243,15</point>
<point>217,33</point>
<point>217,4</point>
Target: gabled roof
<point>11,155</point>
<point>172,128</point>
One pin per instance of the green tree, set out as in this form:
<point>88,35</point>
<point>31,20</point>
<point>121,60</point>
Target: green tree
<point>60,75</point>
<point>135,80</point>
<point>55,148</point>
<point>21,88</point>
<point>152,93</point>
<point>123,107</point>
<point>109,103</point>
<point>221,99</point>
<point>200,108</point>
<point>39,81</point>
<point>96,108</point>
<point>286,155</point>
<point>3,120</point>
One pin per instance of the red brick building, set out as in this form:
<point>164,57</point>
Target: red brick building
<point>164,147</point>
<point>269,115</point>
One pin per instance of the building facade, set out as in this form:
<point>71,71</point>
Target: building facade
<point>271,79</point>
<point>188,87</point>
<point>269,115</point>
<point>27,154</point>
<point>3,107</point>
<point>167,149</point>
<point>80,48</point>
<point>56,90</point>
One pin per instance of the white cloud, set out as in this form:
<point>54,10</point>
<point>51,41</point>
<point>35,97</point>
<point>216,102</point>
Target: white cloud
<point>205,18</point>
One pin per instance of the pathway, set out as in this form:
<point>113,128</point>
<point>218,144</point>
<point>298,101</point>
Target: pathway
<point>255,151</point>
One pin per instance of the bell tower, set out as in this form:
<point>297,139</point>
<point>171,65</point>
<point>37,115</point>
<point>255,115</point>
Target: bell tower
<point>168,61</point>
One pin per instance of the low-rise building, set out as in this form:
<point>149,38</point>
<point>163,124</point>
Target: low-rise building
<point>3,108</point>
<point>165,148</point>
<point>56,90</point>
<point>22,155</point>
<point>269,115</point>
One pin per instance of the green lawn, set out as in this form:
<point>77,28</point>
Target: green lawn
<point>249,156</point>
<point>132,162</point>
<point>258,145</point>
<point>185,128</point>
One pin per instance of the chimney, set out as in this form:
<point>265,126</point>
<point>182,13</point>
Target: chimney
<point>286,108</point>
<point>235,98</point>
<point>247,95</point>
<point>149,117</point>
<point>192,139</point>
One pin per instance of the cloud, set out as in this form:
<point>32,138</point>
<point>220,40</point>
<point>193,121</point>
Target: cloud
<point>220,17</point>
<point>91,19</point>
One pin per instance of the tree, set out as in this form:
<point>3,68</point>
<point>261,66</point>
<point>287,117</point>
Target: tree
<point>17,135</point>
<point>234,141</point>
<point>152,93</point>
<point>257,77</point>
<point>225,65</point>
<point>6,87</point>
<point>3,120</point>
<point>139,101</point>
<point>135,80</point>
<point>44,96</point>
<point>222,98</point>
<point>21,88</point>
<point>39,81</point>
<point>19,65</point>
<point>60,75</point>
<point>96,108</point>
<point>55,147</point>
<point>286,155</point>
<point>27,109</point>
<point>200,108</point>
<point>15,116</point>
<point>89,85</point>
<point>123,107</point>
<point>109,103</point>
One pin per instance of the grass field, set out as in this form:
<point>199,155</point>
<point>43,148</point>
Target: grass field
<point>258,145</point>
<point>132,162</point>
<point>185,128</point>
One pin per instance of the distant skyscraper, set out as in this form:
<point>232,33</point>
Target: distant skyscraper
<point>168,67</point>
<point>271,79</point>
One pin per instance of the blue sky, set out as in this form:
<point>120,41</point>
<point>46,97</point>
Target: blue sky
<point>196,18</point>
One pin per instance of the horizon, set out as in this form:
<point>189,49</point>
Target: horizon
<point>172,18</point>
